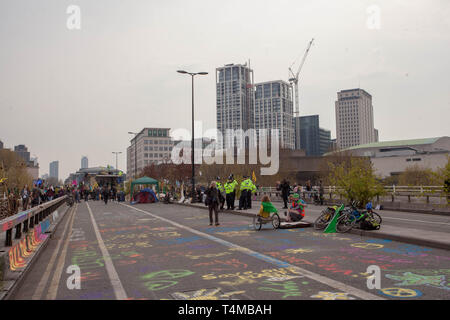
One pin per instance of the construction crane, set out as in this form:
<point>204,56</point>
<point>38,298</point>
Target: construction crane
<point>294,78</point>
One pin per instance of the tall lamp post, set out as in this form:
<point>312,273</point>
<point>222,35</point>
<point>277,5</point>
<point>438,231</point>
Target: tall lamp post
<point>135,153</point>
<point>192,74</point>
<point>117,153</point>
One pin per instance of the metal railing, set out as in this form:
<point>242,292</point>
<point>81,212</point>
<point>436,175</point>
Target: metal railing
<point>26,220</point>
<point>410,194</point>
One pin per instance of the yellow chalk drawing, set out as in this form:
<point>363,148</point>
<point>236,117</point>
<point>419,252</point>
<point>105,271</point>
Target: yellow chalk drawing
<point>365,245</point>
<point>299,250</point>
<point>401,292</point>
<point>324,295</point>
<point>205,294</point>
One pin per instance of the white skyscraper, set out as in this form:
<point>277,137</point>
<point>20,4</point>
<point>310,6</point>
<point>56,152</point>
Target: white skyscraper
<point>84,162</point>
<point>234,99</point>
<point>274,110</point>
<point>354,118</point>
<point>54,170</point>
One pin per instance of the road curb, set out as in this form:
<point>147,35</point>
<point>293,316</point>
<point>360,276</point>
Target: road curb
<point>363,233</point>
<point>7,294</point>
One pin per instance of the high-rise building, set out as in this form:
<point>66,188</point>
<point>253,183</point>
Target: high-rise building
<point>54,170</point>
<point>313,139</point>
<point>324,140</point>
<point>84,162</point>
<point>22,151</point>
<point>274,110</point>
<point>153,146</point>
<point>234,100</point>
<point>1,144</point>
<point>354,118</point>
<point>376,136</point>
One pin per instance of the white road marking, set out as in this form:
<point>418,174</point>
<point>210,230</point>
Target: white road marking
<point>314,276</point>
<point>41,286</point>
<point>54,284</point>
<point>119,291</point>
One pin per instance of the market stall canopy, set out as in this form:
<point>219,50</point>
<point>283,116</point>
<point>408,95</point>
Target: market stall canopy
<point>144,181</point>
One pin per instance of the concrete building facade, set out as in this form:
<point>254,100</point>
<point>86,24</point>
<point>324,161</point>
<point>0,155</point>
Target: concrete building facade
<point>54,170</point>
<point>234,100</point>
<point>354,118</point>
<point>390,158</point>
<point>313,139</point>
<point>274,110</point>
<point>84,162</point>
<point>153,146</point>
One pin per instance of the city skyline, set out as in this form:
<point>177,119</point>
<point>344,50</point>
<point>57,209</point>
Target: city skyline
<point>106,79</point>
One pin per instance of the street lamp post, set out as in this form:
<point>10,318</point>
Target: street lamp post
<point>135,153</point>
<point>192,74</point>
<point>117,153</point>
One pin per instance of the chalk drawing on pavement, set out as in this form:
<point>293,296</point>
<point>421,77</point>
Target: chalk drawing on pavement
<point>401,292</point>
<point>206,294</point>
<point>324,295</point>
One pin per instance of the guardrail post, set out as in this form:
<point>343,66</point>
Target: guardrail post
<point>409,198</point>
<point>8,240</point>
<point>428,199</point>
<point>392,195</point>
<point>18,231</point>
<point>25,226</point>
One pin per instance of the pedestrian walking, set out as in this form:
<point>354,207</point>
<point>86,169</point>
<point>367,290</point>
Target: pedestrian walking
<point>321,192</point>
<point>285,189</point>
<point>212,199</point>
<point>105,195</point>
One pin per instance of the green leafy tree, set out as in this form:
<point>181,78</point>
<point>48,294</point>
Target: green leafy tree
<point>417,176</point>
<point>355,179</point>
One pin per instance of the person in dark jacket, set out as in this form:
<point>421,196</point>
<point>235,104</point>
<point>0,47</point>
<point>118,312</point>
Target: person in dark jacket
<point>212,199</point>
<point>105,194</point>
<point>285,189</point>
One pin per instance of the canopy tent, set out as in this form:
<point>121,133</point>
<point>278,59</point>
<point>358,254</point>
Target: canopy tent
<point>146,195</point>
<point>144,181</point>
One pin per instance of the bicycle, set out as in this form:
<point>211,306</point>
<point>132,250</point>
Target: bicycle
<point>351,216</point>
<point>326,216</point>
<point>273,218</point>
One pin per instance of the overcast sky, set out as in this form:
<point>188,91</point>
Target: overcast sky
<point>67,93</point>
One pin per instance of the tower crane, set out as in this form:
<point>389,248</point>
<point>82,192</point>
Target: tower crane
<point>294,78</point>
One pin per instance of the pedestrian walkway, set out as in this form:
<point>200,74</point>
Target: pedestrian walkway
<point>417,235</point>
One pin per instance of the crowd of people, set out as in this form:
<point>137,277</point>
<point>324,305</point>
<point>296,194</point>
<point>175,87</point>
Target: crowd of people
<point>31,197</point>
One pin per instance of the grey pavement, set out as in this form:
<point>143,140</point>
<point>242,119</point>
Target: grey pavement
<point>415,228</point>
<point>158,251</point>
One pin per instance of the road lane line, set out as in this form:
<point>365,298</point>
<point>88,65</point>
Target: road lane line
<point>119,291</point>
<point>314,276</point>
<point>41,286</point>
<point>54,284</point>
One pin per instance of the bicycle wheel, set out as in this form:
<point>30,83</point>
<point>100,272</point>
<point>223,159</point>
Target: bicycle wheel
<point>275,221</point>
<point>345,223</point>
<point>376,218</point>
<point>324,218</point>
<point>257,223</point>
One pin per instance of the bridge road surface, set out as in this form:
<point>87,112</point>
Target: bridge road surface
<point>158,251</point>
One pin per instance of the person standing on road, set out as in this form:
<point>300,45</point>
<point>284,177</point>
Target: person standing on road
<point>25,197</point>
<point>221,191</point>
<point>105,195</point>
<point>285,188</point>
<point>212,199</point>
<point>251,189</point>
<point>230,188</point>
<point>245,188</point>
<point>321,192</point>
